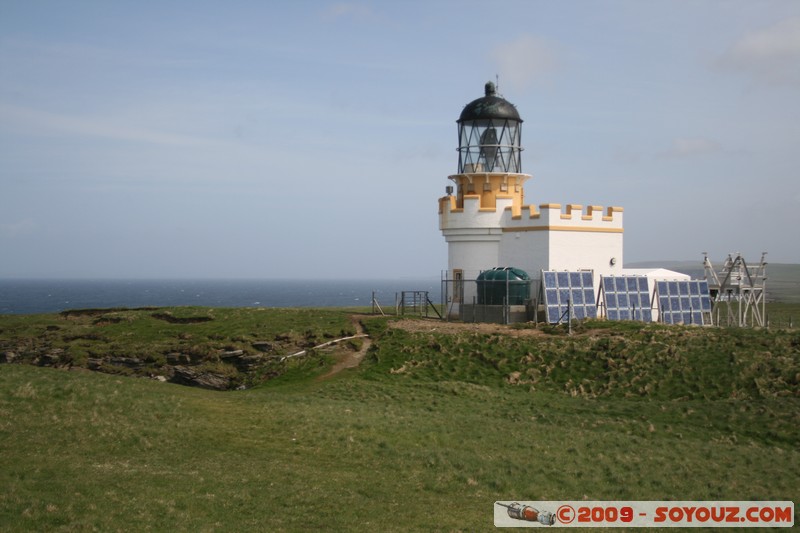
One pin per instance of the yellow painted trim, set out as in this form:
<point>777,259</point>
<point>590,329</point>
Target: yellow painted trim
<point>487,209</point>
<point>532,213</point>
<point>570,209</point>
<point>590,212</point>
<point>610,213</point>
<point>447,199</point>
<point>550,206</point>
<point>563,228</point>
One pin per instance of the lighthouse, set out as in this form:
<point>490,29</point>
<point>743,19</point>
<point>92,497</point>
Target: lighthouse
<point>487,224</point>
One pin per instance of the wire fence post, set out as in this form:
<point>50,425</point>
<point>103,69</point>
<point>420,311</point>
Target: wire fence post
<point>569,316</point>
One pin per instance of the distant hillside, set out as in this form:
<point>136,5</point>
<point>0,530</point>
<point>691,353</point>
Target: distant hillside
<point>783,280</point>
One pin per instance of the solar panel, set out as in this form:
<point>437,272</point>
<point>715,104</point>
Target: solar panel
<point>683,302</point>
<point>564,288</point>
<point>626,298</point>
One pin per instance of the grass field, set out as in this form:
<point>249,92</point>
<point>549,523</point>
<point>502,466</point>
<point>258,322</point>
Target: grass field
<point>426,434</point>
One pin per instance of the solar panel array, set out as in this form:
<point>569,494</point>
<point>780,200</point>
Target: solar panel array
<point>683,302</point>
<point>563,287</point>
<point>626,298</point>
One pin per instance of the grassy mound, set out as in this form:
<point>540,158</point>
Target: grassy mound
<point>605,359</point>
<point>230,348</point>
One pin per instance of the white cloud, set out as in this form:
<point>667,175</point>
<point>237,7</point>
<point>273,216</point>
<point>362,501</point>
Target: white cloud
<point>684,147</point>
<point>771,55</point>
<point>524,61</point>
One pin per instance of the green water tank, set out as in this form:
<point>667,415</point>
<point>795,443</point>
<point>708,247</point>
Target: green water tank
<point>495,284</point>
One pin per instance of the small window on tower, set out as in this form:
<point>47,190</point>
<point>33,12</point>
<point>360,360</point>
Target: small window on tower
<point>504,187</point>
<point>487,186</point>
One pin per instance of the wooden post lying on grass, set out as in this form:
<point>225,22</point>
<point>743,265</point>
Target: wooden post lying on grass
<point>323,345</point>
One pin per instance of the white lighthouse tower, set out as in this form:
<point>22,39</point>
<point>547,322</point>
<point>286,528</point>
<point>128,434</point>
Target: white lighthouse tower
<point>487,224</point>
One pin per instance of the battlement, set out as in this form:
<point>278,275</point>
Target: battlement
<point>473,214</point>
<point>548,217</point>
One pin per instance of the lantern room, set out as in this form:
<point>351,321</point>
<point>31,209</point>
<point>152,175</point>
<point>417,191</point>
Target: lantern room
<point>489,135</point>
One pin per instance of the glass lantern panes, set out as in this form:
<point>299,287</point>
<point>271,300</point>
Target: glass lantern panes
<point>490,145</point>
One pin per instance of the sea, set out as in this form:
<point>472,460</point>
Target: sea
<point>18,296</point>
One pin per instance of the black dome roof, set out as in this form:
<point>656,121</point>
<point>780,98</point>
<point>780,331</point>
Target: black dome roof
<point>490,106</point>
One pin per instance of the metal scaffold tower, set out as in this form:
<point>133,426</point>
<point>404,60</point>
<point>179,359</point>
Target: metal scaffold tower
<point>737,291</point>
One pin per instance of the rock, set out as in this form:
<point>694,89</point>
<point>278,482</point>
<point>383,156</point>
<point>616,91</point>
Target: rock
<point>130,362</point>
<point>94,363</point>
<point>240,360</point>
<point>8,357</point>
<point>176,358</point>
<point>51,358</point>
<point>248,361</point>
<point>266,347</point>
<point>48,360</point>
<point>162,379</point>
<point>197,378</point>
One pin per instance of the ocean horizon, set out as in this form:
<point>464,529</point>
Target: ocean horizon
<point>32,296</point>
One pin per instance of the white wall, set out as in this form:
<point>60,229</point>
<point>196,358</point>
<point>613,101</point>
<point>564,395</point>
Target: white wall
<point>571,250</point>
<point>528,250</point>
<point>473,253</point>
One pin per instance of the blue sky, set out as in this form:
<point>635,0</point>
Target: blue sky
<point>296,139</point>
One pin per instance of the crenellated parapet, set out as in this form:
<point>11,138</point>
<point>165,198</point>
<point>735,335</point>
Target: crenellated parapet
<point>511,218</point>
<point>472,212</point>
<point>573,217</point>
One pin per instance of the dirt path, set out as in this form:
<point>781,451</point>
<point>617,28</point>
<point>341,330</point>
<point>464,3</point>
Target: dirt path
<point>438,326</point>
<point>351,359</point>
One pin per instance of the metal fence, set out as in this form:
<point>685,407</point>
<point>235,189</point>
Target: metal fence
<point>495,301</point>
<point>415,303</point>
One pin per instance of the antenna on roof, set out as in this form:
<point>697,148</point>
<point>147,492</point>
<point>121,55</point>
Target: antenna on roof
<point>497,85</point>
